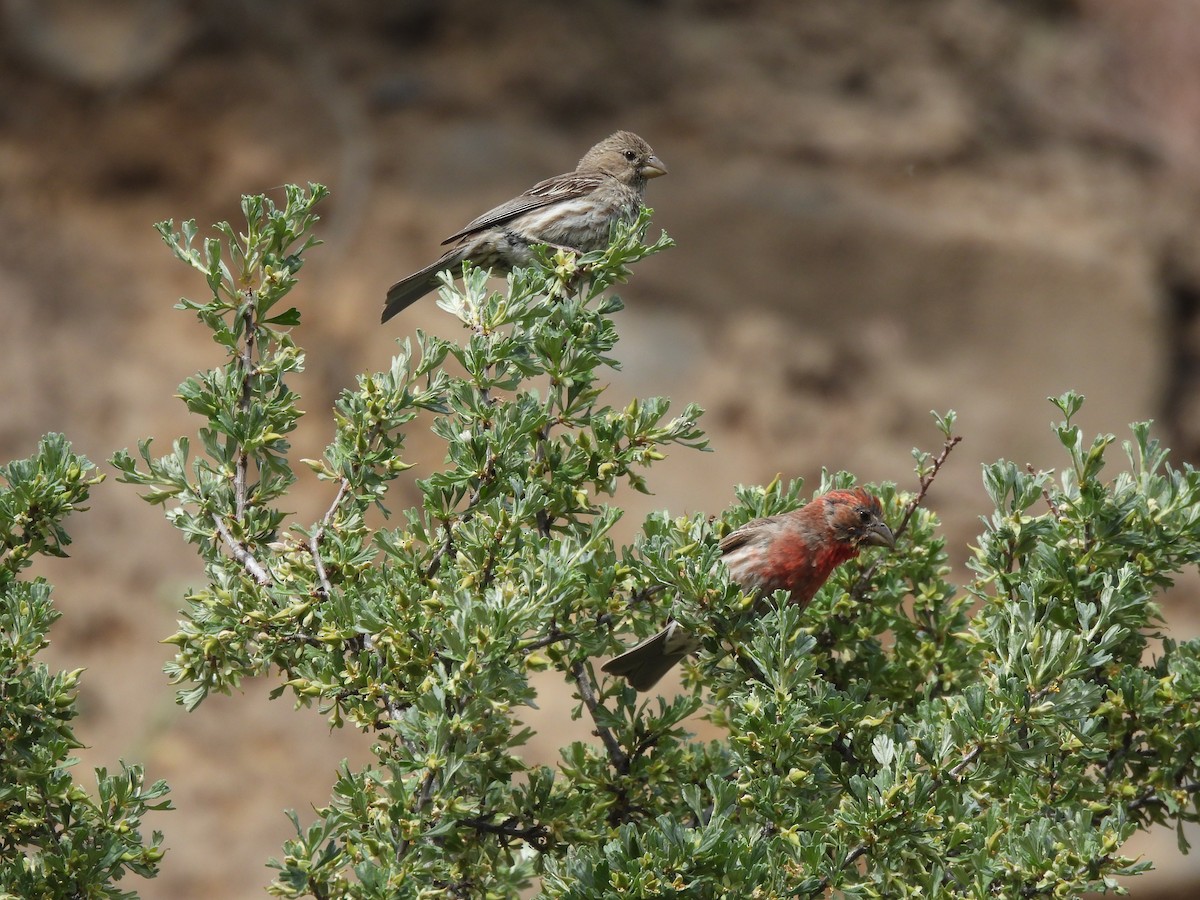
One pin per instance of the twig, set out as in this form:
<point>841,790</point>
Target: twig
<point>1154,798</point>
<point>423,798</point>
<point>845,750</point>
<point>489,565</point>
<point>241,554</point>
<point>620,760</point>
<point>246,358</point>
<point>1045,493</point>
<point>1096,865</point>
<point>966,761</point>
<point>753,672</point>
<point>851,858</point>
<point>488,474</point>
<point>647,741</point>
<point>314,542</point>
<point>465,516</point>
<point>956,772</point>
<point>536,836</point>
<point>447,546</point>
<point>393,708</point>
<point>544,521</point>
<point>924,483</point>
<point>538,643</point>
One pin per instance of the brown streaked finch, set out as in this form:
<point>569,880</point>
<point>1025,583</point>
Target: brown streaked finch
<point>794,552</point>
<point>575,211</point>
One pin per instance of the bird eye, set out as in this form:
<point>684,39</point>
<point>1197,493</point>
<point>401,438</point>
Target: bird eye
<point>630,155</point>
<point>864,515</point>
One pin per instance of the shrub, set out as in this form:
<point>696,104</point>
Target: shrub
<point>56,839</point>
<point>907,737</point>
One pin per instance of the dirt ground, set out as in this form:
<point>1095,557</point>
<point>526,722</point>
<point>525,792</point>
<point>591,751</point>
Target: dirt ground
<point>881,209</point>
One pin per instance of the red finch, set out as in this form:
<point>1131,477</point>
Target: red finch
<point>793,552</point>
<point>575,210</point>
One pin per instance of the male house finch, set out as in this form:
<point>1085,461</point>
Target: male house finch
<point>575,210</point>
<point>793,552</point>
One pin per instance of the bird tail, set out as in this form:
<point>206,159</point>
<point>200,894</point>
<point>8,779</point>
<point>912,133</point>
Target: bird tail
<point>412,288</point>
<point>642,666</point>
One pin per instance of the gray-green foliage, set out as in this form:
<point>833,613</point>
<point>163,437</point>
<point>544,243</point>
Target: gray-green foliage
<point>908,738</point>
<point>56,840</point>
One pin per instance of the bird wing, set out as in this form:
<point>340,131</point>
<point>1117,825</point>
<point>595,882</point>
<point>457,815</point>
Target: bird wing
<point>552,190</point>
<point>746,533</point>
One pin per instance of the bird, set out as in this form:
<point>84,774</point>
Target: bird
<point>575,210</point>
<point>794,552</point>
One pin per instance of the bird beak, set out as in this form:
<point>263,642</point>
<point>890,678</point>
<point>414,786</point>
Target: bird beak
<point>653,167</point>
<point>880,535</point>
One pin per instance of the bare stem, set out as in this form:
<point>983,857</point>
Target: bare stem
<point>1153,798</point>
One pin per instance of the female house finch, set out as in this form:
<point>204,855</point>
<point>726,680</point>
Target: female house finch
<point>792,552</point>
<point>575,210</point>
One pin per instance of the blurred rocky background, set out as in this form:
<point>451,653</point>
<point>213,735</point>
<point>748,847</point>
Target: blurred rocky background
<point>882,208</point>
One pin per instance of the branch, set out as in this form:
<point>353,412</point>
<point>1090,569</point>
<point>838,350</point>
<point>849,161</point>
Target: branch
<point>423,798</point>
<point>1096,865</point>
<point>553,637</point>
<point>1153,799</point>
<point>544,520</point>
<point>966,761</point>
<point>753,672</point>
<point>314,542</point>
<point>536,836</point>
<point>851,858</point>
<point>447,546</point>
<point>393,708</point>
<point>924,483</point>
<point>1045,493</point>
<point>489,565</point>
<point>246,358</point>
<point>241,554</point>
<point>620,760</point>
<point>956,772</point>
<point>489,472</point>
